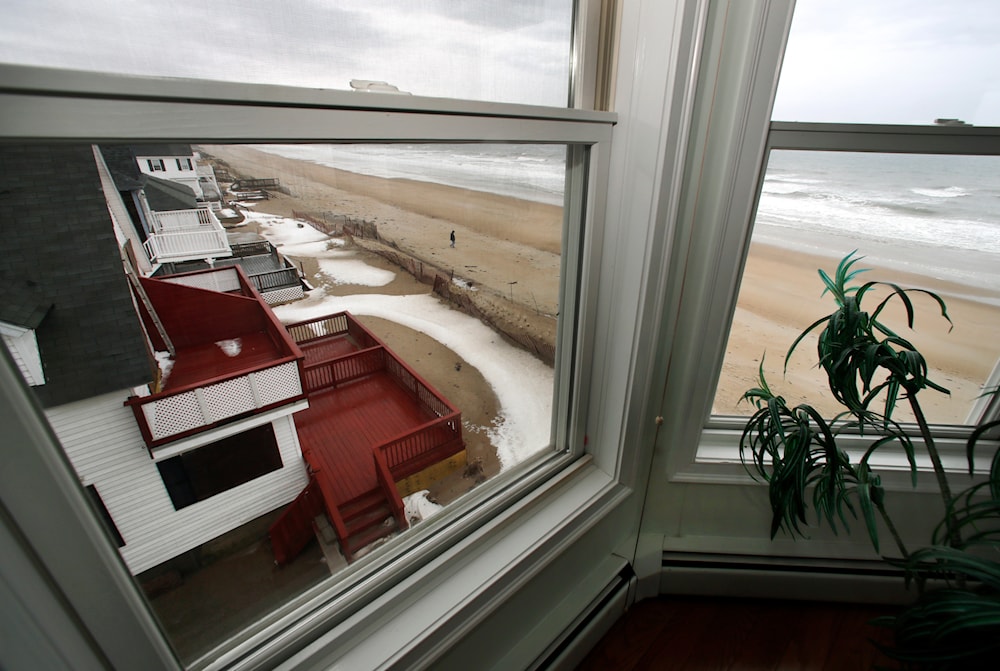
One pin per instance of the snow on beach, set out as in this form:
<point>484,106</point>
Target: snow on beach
<point>523,384</point>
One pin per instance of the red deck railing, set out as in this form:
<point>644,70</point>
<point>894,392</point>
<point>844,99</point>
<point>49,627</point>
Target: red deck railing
<point>423,446</point>
<point>337,371</point>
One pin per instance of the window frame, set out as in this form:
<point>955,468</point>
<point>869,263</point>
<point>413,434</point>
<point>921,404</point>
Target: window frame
<point>554,489</point>
<point>717,451</point>
<point>709,452</point>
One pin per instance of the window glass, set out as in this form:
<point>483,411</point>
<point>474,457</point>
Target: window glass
<point>924,221</point>
<point>502,52</point>
<point>894,61</point>
<point>449,256</point>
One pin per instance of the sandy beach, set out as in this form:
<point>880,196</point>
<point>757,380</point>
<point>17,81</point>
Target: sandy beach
<point>782,294</point>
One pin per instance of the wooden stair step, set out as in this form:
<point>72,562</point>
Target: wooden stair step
<point>371,518</point>
<point>362,504</point>
<point>368,536</point>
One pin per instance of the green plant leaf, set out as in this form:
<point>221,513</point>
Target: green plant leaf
<point>865,485</point>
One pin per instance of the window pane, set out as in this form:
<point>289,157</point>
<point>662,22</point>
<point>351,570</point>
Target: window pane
<point>481,50</point>
<point>180,395</point>
<point>899,62</point>
<point>919,220</point>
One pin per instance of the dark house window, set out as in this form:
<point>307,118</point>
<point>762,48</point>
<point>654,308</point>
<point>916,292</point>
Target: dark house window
<point>155,164</point>
<point>202,473</point>
<point>184,164</point>
<point>102,510</point>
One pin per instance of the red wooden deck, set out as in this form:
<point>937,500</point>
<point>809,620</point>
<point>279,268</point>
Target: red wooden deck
<point>342,426</point>
<point>364,405</point>
<point>208,361</point>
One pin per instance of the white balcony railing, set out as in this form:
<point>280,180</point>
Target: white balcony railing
<point>186,235</point>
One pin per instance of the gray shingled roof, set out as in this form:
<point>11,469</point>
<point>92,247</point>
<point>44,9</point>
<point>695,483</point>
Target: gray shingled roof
<point>162,149</point>
<point>22,302</point>
<point>59,249</point>
<point>164,194</point>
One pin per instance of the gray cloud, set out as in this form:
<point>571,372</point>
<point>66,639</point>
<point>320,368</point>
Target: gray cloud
<point>516,51</point>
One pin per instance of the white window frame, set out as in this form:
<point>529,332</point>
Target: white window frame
<point>509,582</point>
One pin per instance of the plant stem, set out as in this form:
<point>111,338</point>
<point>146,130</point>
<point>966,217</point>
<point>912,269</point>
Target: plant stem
<point>954,536</point>
<point>892,530</point>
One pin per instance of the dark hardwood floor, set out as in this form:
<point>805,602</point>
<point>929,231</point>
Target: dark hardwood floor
<point>713,633</point>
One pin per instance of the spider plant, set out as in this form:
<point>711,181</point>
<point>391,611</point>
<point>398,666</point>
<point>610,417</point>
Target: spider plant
<point>870,368</point>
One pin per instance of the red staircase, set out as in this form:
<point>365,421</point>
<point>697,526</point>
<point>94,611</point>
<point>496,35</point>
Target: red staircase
<point>366,518</point>
<point>358,522</point>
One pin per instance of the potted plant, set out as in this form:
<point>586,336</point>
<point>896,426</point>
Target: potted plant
<point>870,368</point>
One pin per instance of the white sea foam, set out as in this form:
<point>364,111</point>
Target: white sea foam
<point>887,206</point>
<point>947,192</point>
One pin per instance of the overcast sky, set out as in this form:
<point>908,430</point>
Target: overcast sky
<point>509,51</point>
<point>888,61</point>
<point>892,61</point>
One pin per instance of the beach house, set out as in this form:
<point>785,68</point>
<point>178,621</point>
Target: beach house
<point>179,163</point>
<point>171,231</point>
<point>665,116</point>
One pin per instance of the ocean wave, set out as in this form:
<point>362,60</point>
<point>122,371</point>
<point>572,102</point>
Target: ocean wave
<point>945,192</point>
<point>782,188</point>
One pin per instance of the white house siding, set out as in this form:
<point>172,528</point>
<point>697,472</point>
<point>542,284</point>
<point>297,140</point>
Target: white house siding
<point>23,348</point>
<point>102,441</point>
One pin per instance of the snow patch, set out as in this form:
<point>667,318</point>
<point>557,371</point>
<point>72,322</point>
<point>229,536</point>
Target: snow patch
<point>165,363</point>
<point>418,508</point>
<point>353,271</point>
<point>231,347</point>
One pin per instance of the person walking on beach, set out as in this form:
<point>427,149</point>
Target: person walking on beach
<point>453,238</point>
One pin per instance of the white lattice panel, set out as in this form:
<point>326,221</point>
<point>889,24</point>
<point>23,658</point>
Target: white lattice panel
<point>229,398</point>
<point>173,414</point>
<point>285,295</point>
<point>278,383</point>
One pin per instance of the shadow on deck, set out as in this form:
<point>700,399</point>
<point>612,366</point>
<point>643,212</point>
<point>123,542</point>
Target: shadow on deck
<point>371,422</point>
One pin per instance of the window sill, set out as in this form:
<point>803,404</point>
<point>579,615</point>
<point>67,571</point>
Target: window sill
<point>718,460</point>
<point>413,622</point>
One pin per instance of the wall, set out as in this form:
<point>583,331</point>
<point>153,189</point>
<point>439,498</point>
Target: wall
<point>103,443</point>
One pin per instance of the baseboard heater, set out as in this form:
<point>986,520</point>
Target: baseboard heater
<point>566,653</point>
<point>847,580</point>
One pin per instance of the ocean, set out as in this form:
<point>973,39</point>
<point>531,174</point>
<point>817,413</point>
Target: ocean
<point>529,172</point>
<point>938,216</point>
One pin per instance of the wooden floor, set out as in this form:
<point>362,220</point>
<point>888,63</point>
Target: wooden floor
<point>710,633</point>
<point>200,363</point>
<point>341,425</point>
